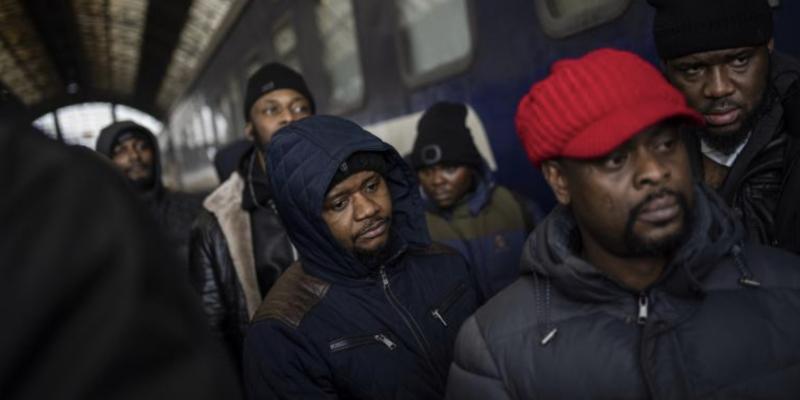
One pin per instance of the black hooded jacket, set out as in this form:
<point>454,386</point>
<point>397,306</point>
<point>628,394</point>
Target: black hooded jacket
<point>332,327</point>
<point>174,211</point>
<point>91,306</point>
<point>721,323</point>
<point>760,181</point>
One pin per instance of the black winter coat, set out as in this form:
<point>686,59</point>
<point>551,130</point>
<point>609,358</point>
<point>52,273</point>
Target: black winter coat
<point>235,258</point>
<point>91,306</point>
<point>705,330</point>
<point>756,181</point>
<point>333,327</point>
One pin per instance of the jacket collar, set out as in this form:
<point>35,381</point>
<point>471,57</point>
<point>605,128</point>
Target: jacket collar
<point>550,252</point>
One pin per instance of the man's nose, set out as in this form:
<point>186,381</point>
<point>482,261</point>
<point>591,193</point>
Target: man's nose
<point>718,83</point>
<point>364,207</point>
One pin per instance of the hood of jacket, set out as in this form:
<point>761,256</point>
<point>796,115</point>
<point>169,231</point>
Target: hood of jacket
<point>550,253</point>
<point>108,138</point>
<point>475,200</point>
<point>302,159</point>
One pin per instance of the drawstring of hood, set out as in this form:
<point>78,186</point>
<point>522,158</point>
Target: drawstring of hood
<point>543,315</point>
<point>746,278</point>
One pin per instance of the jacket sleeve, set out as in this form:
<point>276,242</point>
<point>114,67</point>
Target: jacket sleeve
<point>204,270</point>
<point>473,373</point>
<point>280,363</point>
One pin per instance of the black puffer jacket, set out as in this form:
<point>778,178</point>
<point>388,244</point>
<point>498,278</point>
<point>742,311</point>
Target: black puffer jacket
<point>174,211</point>
<point>755,182</point>
<point>239,248</point>
<point>705,330</point>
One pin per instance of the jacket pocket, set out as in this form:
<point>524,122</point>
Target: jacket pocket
<point>439,311</point>
<point>351,342</point>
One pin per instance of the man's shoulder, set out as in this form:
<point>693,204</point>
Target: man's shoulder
<point>770,267</point>
<point>510,310</point>
<point>292,297</point>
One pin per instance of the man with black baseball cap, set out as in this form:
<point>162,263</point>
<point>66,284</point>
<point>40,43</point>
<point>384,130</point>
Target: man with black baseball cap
<point>466,208</point>
<point>720,54</point>
<point>239,245</point>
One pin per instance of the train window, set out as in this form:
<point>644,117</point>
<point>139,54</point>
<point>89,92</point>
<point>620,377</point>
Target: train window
<point>774,3</point>
<point>81,123</point>
<point>435,38</point>
<point>123,112</point>
<point>284,41</point>
<point>340,55</point>
<point>47,124</point>
<point>561,18</point>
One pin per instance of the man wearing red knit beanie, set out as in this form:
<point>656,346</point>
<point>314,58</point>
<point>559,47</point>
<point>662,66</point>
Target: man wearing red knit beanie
<point>640,284</point>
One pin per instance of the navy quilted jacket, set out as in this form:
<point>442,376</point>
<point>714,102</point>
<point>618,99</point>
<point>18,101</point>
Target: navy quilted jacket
<point>333,328</point>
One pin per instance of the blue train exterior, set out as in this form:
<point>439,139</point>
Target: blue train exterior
<point>510,51</point>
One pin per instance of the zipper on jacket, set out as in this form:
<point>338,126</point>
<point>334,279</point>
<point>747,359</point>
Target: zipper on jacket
<point>643,309</point>
<point>357,341</point>
<point>408,319</point>
<point>448,301</point>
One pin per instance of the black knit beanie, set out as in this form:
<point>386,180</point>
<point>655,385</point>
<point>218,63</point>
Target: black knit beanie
<point>357,162</point>
<point>274,76</point>
<point>683,27</point>
<point>443,137</point>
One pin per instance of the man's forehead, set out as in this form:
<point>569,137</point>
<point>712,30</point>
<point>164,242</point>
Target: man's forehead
<point>281,95</point>
<point>713,56</point>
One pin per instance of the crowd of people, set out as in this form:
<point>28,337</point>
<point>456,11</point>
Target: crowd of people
<point>328,265</point>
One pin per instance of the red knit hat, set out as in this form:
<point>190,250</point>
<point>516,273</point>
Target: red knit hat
<point>588,106</point>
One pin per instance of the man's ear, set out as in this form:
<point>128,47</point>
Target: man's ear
<point>248,130</point>
<point>771,45</point>
<point>553,172</point>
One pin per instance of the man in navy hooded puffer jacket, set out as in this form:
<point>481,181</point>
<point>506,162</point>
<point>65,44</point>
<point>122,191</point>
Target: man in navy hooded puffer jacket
<point>372,308</point>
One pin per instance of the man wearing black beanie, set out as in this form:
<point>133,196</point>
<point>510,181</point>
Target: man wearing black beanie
<point>720,54</point>
<point>239,245</point>
<point>466,209</point>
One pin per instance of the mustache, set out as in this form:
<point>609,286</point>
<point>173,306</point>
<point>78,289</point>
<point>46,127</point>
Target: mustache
<point>650,198</point>
<point>720,106</point>
<point>372,224</point>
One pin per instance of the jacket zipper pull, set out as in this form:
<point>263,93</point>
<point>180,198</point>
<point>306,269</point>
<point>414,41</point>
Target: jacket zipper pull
<point>384,278</point>
<point>386,341</point>
<point>438,316</point>
<point>643,302</point>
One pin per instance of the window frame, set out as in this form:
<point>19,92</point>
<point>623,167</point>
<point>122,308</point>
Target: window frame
<point>562,27</point>
<point>445,70</point>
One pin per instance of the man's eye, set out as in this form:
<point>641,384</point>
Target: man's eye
<point>666,145</point>
<point>371,187</point>
<point>741,61</point>
<point>450,169</point>
<point>338,205</point>
<point>615,161</point>
<point>692,70</point>
<point>272,110</point>
<point>301,109</point>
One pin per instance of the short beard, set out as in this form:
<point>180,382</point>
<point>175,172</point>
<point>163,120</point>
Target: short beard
<point>727,143</point>
<point>374,258</point>
<point>637,246</point>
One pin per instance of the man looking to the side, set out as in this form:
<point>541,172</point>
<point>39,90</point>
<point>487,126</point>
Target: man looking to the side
<point>640,284</point>
<point>239,246</point>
